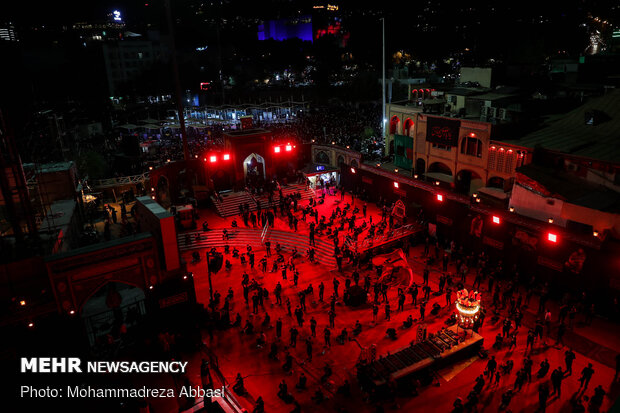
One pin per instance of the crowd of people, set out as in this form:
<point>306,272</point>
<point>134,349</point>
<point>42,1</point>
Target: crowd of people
<point>447,268</point>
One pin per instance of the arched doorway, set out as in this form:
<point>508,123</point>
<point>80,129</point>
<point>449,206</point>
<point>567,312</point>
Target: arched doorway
<point>394,125</point>
<point>468,182</point>
<point>112,312</point>
<point>321,157</point>
<point>408,129</point>
<point>420,166</point>
<point>438,167</point>
<point>496,182</point>
<point>254,167</point>
<point>438,171</point>
<point>340,160</point>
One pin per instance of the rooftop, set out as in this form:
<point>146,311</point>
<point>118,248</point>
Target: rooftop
<point>571,134</point>
<point>573,189</point>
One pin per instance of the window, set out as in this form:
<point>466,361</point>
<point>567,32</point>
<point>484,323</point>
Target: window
<point>509,161</point>
<point>492,157</point>
<point>500,159</point>
<point>471,146</point>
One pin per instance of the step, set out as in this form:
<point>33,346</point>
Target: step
<point>244,236</point>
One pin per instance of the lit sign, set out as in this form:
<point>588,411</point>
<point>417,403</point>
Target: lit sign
<point>116,15</point>
<point>205,85</point>
<point>320,167</point>
<point>201,49</point>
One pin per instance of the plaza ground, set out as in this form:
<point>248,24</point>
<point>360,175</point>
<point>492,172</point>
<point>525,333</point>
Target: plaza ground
<point>597,343</point>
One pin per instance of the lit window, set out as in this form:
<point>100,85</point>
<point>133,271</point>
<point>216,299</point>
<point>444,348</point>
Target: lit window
<point>226,156</point>
<point>276,149</point>
<point>552,237</point>
<point>212,158</point>
<point>496,219</point>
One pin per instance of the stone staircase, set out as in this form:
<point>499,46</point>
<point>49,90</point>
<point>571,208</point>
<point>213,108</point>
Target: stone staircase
<point>240,237</point>
<point>231,201</point>
<point>286,190</point>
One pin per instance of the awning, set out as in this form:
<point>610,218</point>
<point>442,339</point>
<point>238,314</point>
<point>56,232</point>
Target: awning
<point>151,126</point>
<point>494,192</point>
<point>440,177</point>
<point>128,126</point>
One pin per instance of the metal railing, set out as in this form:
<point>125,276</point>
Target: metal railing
<point>122,180</point>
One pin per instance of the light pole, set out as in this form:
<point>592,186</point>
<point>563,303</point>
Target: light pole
<point>383,120</point>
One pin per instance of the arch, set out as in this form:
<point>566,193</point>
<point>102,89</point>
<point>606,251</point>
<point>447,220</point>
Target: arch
<point>321,157</point>
<point>254,164</point>
<point>496,182</point>
<point>394,125</point>
<point>440,167</point>
<point>468,181</point>
<point>408,128</point>
<point>472,146</point>
<point>420,166</point>
<point>354,163</point>
<point>340,160</point>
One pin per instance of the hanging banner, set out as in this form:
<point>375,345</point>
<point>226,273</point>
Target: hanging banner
<point>442,131</point>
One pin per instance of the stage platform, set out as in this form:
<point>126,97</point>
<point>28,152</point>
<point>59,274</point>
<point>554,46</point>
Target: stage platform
<point>438,350</point>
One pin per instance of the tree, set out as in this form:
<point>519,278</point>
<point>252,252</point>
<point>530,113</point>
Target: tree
<point>92,164</point>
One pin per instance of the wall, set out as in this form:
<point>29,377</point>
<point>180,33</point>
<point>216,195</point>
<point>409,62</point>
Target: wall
<point>481,75</point>
<point>535,206</point>
<point>153,218</point>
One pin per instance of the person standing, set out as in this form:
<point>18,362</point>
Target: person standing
<point>387,311</point>
<point>422,309</point>
<point>569,357</point>
<point>327,334</point>
<point>586,375</point>
<point>375,311</point>
<point>556,379</point>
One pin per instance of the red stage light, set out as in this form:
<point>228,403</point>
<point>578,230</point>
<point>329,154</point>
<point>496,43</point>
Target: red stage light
<point>212,158</point>
<point>276,149</point>
<point>552,237</point>
<point>395,184</point>
<point>289,148</point>
<point>440,197</point>
<point>226,156</point>
<point>496,219</point>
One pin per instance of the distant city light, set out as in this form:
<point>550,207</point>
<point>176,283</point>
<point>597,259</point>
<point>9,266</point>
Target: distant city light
<point>226,156</point>
<point>395,184</point>
<point>440,197</point>
<point>496,219</point>
<point>116,15</point>
<point>552,237</point>
<point>352,170</point>
<point>288,148</point>
<point>276,149</point>
<point>212,158</point>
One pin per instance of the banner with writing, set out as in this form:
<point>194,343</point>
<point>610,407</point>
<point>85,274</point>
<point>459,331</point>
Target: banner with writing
<point>443,131</point>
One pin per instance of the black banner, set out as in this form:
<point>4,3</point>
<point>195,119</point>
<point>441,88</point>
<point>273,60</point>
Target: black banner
<point>443,131</point>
